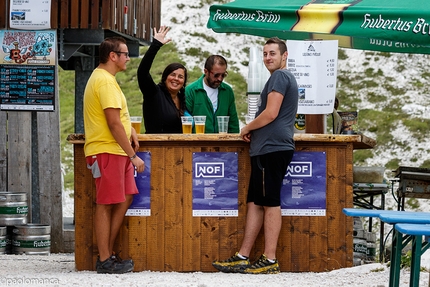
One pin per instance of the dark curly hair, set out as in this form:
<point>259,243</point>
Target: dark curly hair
<point>167,71</point>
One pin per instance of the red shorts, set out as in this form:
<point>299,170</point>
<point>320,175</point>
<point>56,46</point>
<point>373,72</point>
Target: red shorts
<point>114,176</point>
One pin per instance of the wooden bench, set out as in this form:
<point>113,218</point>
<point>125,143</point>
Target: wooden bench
<point>408,226</point>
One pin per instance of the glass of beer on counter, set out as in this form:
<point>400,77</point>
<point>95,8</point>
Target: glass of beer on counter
<point>187,124</point>
<point>136,123</point>
<point>199,122</point>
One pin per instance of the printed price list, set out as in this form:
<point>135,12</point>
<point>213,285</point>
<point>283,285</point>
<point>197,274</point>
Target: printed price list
<point>27,87</point>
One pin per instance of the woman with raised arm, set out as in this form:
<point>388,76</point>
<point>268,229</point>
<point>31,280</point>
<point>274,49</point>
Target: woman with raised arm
<point>163,103</point>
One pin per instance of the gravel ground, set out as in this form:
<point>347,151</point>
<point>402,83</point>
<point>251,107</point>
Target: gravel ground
<point>59,270</point>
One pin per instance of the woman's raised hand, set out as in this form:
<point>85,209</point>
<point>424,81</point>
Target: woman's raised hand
<point>161,34</point>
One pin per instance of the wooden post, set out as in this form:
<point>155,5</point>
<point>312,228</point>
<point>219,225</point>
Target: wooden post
<point>3,151</point>
<point>315,124</point>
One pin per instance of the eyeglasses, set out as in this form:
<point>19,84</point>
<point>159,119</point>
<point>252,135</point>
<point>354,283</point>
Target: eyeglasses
<point>217,75</point>
<point>119,53</point>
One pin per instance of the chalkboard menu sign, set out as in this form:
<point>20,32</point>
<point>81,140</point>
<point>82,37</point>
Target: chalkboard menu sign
<point>27,87</point>
<point>27,70</point>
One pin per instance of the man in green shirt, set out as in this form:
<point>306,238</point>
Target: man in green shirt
<point>209,96</point>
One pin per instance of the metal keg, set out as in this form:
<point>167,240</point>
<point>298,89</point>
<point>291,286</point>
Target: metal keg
<point>358,225</point>
<point>32,239</point>
<point>360,250</point>
<point>371,247</point>
<point>9,233</point>
<point>3,239</point>
<point>359,244</point>
<point>13,208</point>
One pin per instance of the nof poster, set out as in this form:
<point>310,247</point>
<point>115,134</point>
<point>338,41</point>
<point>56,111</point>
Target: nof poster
<point>304,192</point>
<point>215,184</point>
<point>141,205</point>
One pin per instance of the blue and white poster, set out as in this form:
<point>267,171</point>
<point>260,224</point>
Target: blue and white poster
<point>215,184</point>
<point>141,205</point>
<point>303,191</point>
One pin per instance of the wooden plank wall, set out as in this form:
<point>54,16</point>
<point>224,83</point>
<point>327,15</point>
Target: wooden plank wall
<point>155,242</point>
<point>156,15</point>
<point>19,143</point>
<point>3,151</point>
<point>171,239</point>
<point>93,14</point>
<point>16,166</point>
<point>107,14</point>
<point>49,172</point>
<point>37,172</point>
<point>3,16</point>
<point>144,13</point>
<point>85,241</point>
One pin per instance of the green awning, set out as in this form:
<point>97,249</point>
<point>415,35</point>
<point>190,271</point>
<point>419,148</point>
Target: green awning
<point>380,25</point>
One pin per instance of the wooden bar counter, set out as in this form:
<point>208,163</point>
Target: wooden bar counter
<point>171,239</point>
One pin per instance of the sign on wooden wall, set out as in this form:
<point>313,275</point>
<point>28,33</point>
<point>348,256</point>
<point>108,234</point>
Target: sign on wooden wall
<point>215,184</point>
<point>304,190</point>
<point>27,70</point>
<point>30,15</point>
<point>141,205</point>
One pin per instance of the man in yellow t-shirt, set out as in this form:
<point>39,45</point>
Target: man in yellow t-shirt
<point>110,149</point>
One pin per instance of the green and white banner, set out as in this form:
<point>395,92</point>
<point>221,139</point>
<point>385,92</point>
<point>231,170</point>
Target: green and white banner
<point>380,25</point>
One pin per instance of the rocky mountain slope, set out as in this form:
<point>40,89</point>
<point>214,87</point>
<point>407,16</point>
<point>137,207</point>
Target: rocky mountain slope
<point>390,91</point>
<point>367,80</point>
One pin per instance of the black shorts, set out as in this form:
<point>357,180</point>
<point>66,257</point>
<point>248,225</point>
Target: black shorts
<point>267,173</point>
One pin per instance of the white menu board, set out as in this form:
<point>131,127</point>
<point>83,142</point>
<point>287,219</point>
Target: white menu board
<point>314,64</point>
<point>30,14</point>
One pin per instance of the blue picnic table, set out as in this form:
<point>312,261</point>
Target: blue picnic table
<point>408,226</point>
<point>416,232</point>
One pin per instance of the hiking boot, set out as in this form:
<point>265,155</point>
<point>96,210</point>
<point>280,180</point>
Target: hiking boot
<point>111,266</point>
<point>116,258</point>
<point>263,266</point>
<point>124,261</point>
<point>234,264</point>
